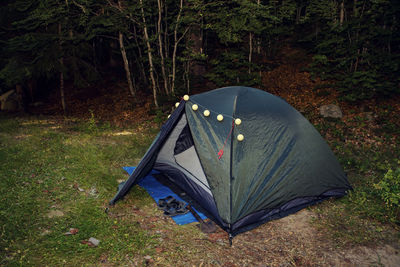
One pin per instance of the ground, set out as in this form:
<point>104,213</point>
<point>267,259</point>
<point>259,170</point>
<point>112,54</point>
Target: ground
<point>60,172</point>
<point>290,241</point>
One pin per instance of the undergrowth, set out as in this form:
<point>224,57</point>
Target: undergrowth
<point>371,210</point>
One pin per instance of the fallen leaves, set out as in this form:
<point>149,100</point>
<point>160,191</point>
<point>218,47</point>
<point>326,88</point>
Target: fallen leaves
<point>72,231</point>
<point>92,242</point>
<point>219,236</point>
<point>148,259</point>
<point>76,186</point>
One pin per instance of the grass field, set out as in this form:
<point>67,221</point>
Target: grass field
<point>60,174</point>
<point>44,166</point>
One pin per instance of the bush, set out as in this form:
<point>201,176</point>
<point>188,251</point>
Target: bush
<point>231,68</point>
<point>359,85</point>
<point>388,190</point>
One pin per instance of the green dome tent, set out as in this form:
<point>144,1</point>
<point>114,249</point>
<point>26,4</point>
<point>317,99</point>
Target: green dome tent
<point>270,163</point>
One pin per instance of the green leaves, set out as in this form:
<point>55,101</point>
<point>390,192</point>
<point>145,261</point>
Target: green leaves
<point>41,34</point>
<point>360,54</point>
<point>245,29</point>
<point>233,21</point>
<point>355,43</point>
<point>389,189</point>
<point>232,69</point>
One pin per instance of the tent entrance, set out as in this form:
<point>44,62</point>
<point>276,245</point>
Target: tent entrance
<point>179,162</point>
<point>179,152</point>
<point>166,181</point>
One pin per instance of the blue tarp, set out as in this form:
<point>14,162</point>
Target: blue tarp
<point>158,191</point>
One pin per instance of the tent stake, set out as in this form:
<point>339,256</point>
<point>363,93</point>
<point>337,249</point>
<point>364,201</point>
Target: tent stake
<point>107,209</point>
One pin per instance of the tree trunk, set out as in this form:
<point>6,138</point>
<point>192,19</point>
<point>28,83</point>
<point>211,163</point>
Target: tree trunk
<point>113,45</point>
<point>132,90</point>
<point>146,37</point>
<point>64,107</point>
<point>341,18</point>
<point>94,54</point>
<point>73,60</point>
<point>160,44</point>
<point>32,84</point>
<point>258,40</point>
<point>176,42</point>
<point>166,39</point>
<point>250,50</point>
<point>357,59</point>
<point>355,10</point>
<point>186,76</point>
<point>140,61</point>
<point>196,44</point>
<point>298,14</point>
<point>20,96</point>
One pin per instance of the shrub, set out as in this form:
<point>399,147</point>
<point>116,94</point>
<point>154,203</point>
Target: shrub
<point>388,190</point>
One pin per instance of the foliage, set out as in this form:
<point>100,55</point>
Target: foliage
<point>232,69</point>
<point>245,31</point>
<point>48,31</point>
<point>355,44</point>
<point>376,185</point>
<point>160,117</point>
<point>361,52</point>
<point>389,191</point>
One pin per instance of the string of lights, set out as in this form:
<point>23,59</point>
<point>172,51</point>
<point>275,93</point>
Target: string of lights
<point>207,112</point>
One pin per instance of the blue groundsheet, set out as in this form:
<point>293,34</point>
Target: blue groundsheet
<point>158,191</point>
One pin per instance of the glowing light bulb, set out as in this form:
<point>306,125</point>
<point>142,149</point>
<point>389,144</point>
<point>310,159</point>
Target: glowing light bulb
<point>176,104</point>
<point>220,117</point>
<point>186,97</point>
<point>206,113</point>
<point>169,116</point>
<point>195,107</point>
<point>238,121</point>
<point>240,137</point>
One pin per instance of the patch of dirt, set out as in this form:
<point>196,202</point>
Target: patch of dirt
<point>385,255</point>
<point>55,213</point>
<point>290,241</point>
<point>324,252</point>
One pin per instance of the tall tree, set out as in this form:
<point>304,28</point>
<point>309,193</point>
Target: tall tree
<point>47,41</point>
<point>357,52</point>
<point>149,53</point>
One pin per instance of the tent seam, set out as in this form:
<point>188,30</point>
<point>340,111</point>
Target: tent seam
<point>230,166</point>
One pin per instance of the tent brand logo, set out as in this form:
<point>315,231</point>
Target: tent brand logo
<point>221,152</point>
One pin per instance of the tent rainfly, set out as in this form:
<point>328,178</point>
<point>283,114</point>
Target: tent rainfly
<point>245,156</point>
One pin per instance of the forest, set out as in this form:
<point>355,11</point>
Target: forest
<point>165,48</point>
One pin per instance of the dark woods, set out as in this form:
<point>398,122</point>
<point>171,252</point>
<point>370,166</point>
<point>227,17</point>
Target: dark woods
<point>163,47</point>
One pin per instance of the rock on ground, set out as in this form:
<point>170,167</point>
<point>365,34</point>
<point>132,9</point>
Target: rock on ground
<point>55,213</point>
<point>94,241</point>
<point>331,111</point>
